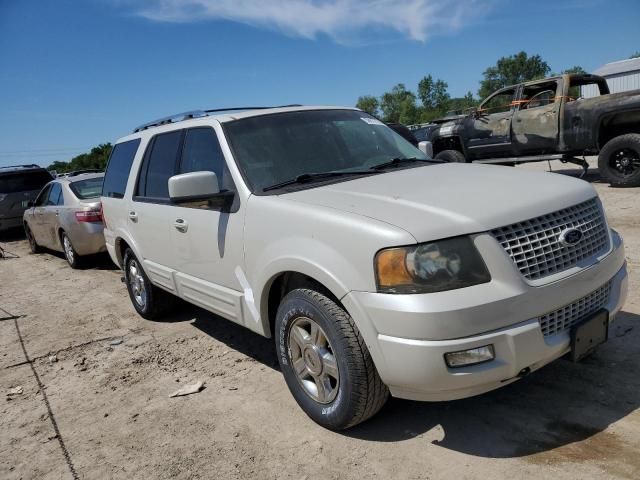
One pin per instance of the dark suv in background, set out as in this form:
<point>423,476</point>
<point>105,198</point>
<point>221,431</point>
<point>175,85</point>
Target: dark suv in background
<point>19,185</point>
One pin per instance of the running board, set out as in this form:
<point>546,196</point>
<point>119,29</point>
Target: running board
<point>531,158</point>
<point>581,162</point>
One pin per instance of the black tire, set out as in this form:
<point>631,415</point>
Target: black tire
<point>360,393</point>
<point>33,245</point>
<point>451,156</point>
<point>619,161</point>
<point>157,302</point>
<point>70,254</point>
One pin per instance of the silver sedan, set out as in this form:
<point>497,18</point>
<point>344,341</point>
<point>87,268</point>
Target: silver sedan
<point>66,217</point>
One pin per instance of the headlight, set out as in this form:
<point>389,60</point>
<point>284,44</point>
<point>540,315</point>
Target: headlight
<point>430,267</point>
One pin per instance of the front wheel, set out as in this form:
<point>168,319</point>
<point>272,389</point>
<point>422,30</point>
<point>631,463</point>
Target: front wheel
<point>33,244</point>
<point>619,161</point>
<point>451,156</point>
<point>325,361</point>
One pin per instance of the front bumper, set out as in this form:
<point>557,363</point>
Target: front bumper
<point>408,335</point>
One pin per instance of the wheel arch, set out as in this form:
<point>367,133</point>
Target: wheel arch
<point>453,142</point>
<point>286,280</point>
<point>615,124</point>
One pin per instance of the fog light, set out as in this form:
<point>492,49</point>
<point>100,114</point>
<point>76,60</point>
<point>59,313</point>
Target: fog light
<point>472,356</point>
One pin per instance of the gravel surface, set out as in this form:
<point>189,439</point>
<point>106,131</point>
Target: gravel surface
<point>96,381</point>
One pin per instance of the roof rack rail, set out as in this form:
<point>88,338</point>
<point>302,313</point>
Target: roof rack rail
<point>26,165</point>
<point>179,117</point>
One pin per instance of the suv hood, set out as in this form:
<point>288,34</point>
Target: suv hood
<point>445,200</point>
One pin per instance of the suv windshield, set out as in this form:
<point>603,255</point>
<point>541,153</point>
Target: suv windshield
<point>272,149</point>
<point>23,181</point>
<point>90,188</point>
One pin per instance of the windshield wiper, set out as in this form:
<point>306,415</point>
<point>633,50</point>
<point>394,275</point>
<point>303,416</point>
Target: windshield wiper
<point>394,162</point>
<point>311,177</point>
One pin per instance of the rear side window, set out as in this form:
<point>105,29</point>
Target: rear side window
<point>89,188</point>
<point>159,165</point>
<point>24,181</point>
<point>117,174</point>
<point>55,195</point>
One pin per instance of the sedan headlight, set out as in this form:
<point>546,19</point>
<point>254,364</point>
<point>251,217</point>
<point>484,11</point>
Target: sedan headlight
<point>430,267</point>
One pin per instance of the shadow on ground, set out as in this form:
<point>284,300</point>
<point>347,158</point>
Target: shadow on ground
<point>234,336</point>
<point>558,405</point>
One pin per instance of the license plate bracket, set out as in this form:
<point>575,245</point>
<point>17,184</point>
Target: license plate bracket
<point>586,336</point>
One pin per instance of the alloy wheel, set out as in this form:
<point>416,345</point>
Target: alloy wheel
<point>625,161</point>
<point>68,249</point>
<point>136,284</point>
<point>313,360</point>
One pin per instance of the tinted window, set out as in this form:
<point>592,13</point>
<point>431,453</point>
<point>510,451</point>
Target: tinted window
<point>202,152</point>
<point>24,181</point>
<point>159,165</point>
<point>54,194</point>
<point>89,188</point>
<point>274,148</point>
<point>115,179</point>
<point>43,196</point>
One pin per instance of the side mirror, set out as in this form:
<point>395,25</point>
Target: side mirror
<point>426,148</point>
<point>197,187</point>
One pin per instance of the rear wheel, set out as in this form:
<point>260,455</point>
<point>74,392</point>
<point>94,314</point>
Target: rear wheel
<point>451,156</point>
<point>73,259</point>
<point>619,161</point>
<point>149,301</point>
<point>33,245</point>
<point>325,361</point>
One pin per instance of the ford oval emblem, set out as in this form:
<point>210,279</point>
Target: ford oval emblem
<point>570,237</point>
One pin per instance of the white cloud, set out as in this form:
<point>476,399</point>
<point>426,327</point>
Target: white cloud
<point>341,20</point>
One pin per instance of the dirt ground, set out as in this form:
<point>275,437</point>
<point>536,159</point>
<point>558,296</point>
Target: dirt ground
<point>102,409</point>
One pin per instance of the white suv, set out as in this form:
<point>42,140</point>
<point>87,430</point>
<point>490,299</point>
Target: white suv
<point>375,269</point>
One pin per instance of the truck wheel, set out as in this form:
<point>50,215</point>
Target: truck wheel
<point>452,156</point>
<point>149,301</point>
<point>619,161</point>
<point>325,361</point>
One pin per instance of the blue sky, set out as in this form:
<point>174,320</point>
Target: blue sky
<point>78,73</point>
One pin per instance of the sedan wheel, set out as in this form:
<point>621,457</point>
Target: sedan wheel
<point>69,252</point>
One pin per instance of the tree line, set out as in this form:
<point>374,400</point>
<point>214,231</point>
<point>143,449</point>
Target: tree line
<point>432,99</point>
<point>96,159</point>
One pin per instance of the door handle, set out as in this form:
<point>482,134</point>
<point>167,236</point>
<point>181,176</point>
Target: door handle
<point>181,225</point>
<point>133,216</point>
<point>57,213</point>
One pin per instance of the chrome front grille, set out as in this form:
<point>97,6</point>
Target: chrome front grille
<point>534,244</point>
<point>566,317</point>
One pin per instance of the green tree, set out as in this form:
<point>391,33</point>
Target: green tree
<point>458,104</point>
<point>369,104</point>
<point>96,159</point>
<point>576,69</point>
<point>511,70</point>
<point>399,102</point>
<point>635,55</point>
<point>433,94</point>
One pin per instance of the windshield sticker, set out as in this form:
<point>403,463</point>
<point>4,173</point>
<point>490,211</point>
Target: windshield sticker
<point>371,121</point>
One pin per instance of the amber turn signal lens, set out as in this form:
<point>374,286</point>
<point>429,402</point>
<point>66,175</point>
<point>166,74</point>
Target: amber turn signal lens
<point>391,268</point>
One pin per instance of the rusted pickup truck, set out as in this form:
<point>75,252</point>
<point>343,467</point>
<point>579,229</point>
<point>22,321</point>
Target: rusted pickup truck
<point>548,120</point>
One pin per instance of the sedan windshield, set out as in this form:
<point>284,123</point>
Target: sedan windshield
<point>274,149</point>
